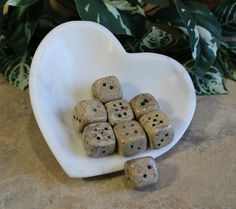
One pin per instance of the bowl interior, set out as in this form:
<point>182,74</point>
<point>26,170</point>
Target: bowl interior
<point>69,59</point>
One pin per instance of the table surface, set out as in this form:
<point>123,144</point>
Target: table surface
<point>199,173</point>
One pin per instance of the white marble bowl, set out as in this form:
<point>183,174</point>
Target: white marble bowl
<point>64,66</point>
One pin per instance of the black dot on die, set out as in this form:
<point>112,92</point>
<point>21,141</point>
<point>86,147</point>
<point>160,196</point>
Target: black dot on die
<point>149,167</point>
<point>104,84</point>
<point>162,140</point>
<point>161,121</point>
<point>125,113</point>
<point>159,145</point>
<point>106,128</point>
<point>119,115</point>
<point>111,87</point>
<point>145,175</point>
<point>166,134</point>
<point>98,138</point>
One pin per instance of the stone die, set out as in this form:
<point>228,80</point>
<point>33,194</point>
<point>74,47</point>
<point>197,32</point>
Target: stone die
<point>131,138</point>
<point>158,129</point>
<point>141,172</point>
<point>99,139</point>
<point>107,89</point>
<point>119,111</point>
<point>88,111</point>
<point>143,103</point>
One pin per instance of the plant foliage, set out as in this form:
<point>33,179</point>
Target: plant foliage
<point>185,30</point>
<point>226,15</point>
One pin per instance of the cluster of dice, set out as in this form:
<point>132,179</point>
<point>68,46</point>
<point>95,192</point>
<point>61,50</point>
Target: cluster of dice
<point>108,122</point>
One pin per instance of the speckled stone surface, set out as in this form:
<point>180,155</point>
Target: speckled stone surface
<point>199,173</point>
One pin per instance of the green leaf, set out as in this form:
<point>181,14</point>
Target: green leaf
<point>121,16</point>
<point>21,25</point>
<point>14,68</point>
<point>204,33</point>
<point>226,16</point>
<point>211,83</point>
<point>20,3</point>
<point>161,39</point>
<point>170,15</point>
<point>48,20</point>
<point>227,59</point>
<point>5,50</point>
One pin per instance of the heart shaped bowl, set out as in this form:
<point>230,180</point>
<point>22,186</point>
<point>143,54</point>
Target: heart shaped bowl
<point>69,59</point>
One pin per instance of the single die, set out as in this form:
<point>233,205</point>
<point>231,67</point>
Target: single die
<point>88,111</point>
<point>143,103</point>
<point>99,139</point>
<point>141,172</point>
<point>119,111</point>
<point>131,138</point>
<point>158,128</point>
<point>107,89</point>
